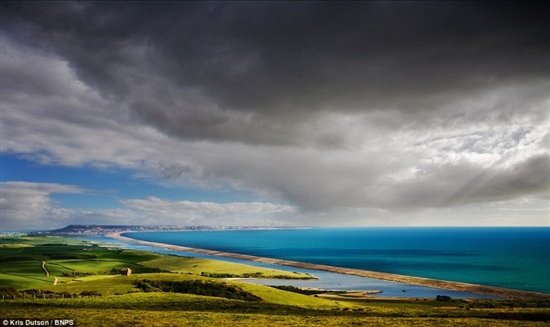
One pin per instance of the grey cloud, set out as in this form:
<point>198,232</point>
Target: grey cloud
<point>256,66</point>
<point>530,176</point>
<point>459,184</point>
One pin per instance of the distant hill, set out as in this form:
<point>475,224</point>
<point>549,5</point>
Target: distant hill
<point>101,229</point>
<point>104,229</point>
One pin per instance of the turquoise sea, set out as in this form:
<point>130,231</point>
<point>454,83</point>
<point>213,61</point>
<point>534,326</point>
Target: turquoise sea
<point>517,258</point>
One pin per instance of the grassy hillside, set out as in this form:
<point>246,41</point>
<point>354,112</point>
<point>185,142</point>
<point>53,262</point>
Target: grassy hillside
<point>69,260</point>
<point>162,309</point>
<point>91,292</point>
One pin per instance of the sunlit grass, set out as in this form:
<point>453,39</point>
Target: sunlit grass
<point>197,266</point>
<point>168,309</point>
<point>22,282</point>
<point>123,304</point>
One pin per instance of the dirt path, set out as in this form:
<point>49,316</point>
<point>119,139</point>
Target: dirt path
<point>48,273</point>
<point>443,284</point>
<point>45,270</point>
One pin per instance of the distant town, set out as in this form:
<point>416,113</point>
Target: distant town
<point>105,229</point>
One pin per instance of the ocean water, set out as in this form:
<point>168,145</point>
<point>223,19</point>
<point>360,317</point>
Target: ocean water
<point>517,258</point>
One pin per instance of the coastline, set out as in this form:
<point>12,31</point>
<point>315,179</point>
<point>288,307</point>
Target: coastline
<point>421,281</point>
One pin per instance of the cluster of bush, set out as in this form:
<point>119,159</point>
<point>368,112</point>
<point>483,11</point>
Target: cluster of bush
<point>533,303</point>
<point>72,256</point>
<point>251,275</point>
<point>51,257</point>
<point>92,293</point>
<point>443,298</point>
<point>53,244</point>
<point>10,293</point>
<point>291,277</point>
<point>227,275</point>
<point>75,274</point>
<point>197,287</point>
<point>20,258</point>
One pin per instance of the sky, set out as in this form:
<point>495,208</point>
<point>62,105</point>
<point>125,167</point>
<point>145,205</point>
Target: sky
<point>275,113</point>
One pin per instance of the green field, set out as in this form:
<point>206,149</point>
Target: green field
<point>166,290</point>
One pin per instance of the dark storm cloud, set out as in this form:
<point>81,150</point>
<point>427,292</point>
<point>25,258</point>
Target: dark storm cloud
<point>329,107</point>
<point>259,72</point>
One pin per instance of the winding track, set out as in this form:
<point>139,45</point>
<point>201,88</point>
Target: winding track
<point>45,270</point>
<point>48,273</point>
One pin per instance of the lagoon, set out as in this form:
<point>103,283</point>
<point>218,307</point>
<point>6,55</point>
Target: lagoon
<point>325,280</point>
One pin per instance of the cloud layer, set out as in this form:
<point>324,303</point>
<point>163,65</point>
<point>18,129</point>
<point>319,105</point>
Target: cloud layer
<point>327,107</point>
<point>30,206</point>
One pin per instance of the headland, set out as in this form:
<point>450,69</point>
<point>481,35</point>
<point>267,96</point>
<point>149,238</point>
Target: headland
<point>429,282</point>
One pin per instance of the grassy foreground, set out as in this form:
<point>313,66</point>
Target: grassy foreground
<point>91,292</point>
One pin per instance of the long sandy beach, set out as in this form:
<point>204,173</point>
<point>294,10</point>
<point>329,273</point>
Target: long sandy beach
<point>449,285</point>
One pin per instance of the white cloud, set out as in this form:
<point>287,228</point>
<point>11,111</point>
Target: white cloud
<point>210,213</point>
<point>29,206</point>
